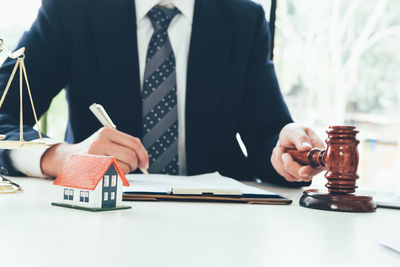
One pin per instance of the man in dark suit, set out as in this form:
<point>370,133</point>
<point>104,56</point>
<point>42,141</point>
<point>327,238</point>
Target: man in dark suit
<point>209,56</point>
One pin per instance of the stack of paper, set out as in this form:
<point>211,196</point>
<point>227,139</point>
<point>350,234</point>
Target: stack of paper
<point>207,187</point>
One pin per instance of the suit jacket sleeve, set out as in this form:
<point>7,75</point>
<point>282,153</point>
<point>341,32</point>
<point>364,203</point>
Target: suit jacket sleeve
<point>264,111</point>
<point>47,73</point>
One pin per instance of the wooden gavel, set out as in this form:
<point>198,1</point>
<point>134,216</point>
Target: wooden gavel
<point>340,159</point>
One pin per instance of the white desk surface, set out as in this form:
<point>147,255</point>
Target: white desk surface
<point>34,233</point>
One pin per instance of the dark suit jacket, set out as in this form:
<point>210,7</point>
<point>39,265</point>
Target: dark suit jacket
<point>89,47</point>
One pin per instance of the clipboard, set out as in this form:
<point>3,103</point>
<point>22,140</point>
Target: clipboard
<point>210,187</point>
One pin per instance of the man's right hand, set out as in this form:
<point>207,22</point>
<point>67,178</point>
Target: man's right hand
<point>128,150</point>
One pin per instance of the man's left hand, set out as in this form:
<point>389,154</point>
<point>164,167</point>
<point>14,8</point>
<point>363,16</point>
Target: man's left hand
<point>303,139</point>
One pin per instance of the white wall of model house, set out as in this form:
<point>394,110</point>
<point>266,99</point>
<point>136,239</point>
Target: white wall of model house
<point>95,196</point>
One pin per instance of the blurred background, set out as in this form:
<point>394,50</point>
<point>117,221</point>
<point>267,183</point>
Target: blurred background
<point>337,63</point>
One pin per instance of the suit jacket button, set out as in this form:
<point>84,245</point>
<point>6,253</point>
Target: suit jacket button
<point>3,170</point>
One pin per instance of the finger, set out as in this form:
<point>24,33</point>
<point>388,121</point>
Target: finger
<point>132,143</point>
<point>124,155</point>
<point>291,166</point>
<point>316,141</point>
<point>143,157</point>
<point>279,151</point>
<point>289,177</point>
<point>295,136</point>
<point>121,153</point>
<point>124,167</point>
<point>308,172</point>
<point>276,161</point>
<point>136,145</point>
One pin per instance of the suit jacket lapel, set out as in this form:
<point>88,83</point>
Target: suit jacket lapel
<point>207,71</point>
<point>114,27</point>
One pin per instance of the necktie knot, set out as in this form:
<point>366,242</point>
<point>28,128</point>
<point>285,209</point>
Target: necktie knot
<point>161,17</point>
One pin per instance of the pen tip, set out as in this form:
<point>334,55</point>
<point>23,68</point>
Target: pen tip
<point>144,171</point>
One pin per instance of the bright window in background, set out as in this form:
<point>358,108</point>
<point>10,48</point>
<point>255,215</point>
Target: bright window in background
<point>16,17</point>
<point>337,63</point>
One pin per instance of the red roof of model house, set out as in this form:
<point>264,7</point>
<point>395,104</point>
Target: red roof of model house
<point>86,171</point>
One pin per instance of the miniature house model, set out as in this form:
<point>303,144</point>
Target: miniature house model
<point>91,182</point>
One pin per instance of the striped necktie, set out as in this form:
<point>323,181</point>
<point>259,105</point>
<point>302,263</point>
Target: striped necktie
<point>160,114</point>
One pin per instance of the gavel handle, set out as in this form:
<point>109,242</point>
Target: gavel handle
<point>299,156</point>
<point>314,157</point>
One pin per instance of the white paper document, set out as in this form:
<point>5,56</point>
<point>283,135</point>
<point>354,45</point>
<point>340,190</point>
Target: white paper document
<point>383,198</point>
<point>210,182</point>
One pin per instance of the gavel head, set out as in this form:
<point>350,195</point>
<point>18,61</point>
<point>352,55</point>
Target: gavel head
<point>341,159</point>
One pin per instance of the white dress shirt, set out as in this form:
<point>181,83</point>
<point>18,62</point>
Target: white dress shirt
<point>179,32</point>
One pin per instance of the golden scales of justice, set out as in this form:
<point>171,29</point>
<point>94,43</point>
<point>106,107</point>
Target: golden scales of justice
<point>20,67</point>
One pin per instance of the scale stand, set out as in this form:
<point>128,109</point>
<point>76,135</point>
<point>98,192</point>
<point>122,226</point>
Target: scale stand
<point>19,66</point>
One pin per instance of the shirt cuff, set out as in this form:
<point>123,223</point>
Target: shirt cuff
<point>27,161</point>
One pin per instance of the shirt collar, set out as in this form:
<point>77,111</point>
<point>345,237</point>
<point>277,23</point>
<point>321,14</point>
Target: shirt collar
<point>186,7</point>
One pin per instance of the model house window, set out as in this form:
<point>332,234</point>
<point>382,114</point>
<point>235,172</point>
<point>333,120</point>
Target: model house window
<point>84,196</point>
<point>112,195</point>
<point>87,196</point>
<point>66,193</point>
<point>106,180</point>
<point>113,180</point>
<point>71,194</point>
<point>105,196</point>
